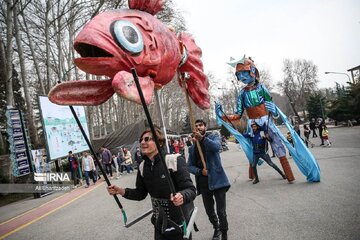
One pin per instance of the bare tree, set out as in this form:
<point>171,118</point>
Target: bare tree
<point>265,78</point>
<point>300,79</point>
<point>24,77</point>
<point>9,53</point>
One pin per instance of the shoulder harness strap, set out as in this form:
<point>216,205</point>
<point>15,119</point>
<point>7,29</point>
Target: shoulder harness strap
<point>171,163</point>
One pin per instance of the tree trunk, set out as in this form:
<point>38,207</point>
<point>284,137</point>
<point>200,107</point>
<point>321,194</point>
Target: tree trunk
<point>9,54</point>
<point>47,45</point>
<point>116,111</point>
<point>59,40</point>
<point>70,43</point>
<point>34,57</point>
<point>29,106</point>
<point>102,118</point>
<point>112,115</point>
<point>90,116</point>
<point>120,112</point>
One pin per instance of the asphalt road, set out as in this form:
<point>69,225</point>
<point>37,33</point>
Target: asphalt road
<point>272,209</point>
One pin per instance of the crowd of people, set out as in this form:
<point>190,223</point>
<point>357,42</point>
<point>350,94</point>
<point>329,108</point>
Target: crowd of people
<point>171,190</point>
<point>84,165</point>
<point>318,129</point>
<point>171,210</point>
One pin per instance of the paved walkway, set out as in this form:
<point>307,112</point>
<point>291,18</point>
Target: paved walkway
<point>17,223</point>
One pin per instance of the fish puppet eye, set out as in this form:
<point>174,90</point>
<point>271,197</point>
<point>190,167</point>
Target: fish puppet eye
<point>127,36</point>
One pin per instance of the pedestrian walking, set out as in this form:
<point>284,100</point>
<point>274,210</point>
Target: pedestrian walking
<point>116,165</point>
<point>74,163</point>
<point>313,127</point>
<point>307,132</point>
<point>138,157</point>
<point>106,160</point>
<point>128,161</point>
<point>120,160</point>
<point>88,167</point>
<point>211,180</point>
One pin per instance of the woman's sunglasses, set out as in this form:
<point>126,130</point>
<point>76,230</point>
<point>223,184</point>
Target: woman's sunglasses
<point>146,139</point>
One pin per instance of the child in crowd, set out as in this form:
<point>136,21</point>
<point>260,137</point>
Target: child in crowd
<point>325,135</point>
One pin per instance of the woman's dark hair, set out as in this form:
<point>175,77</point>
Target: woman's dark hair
<point>160,136</point>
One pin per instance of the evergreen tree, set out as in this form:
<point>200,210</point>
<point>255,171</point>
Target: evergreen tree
<point>316,106</point>
<point>347,105</point>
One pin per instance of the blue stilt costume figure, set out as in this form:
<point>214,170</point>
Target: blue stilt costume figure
<point>256,100</point>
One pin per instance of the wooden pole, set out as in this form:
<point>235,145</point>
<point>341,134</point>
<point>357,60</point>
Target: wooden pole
<point>192,119</point>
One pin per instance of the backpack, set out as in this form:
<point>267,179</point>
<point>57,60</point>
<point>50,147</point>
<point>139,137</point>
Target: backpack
<point>170,160</point>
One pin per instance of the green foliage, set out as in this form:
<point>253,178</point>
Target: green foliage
<point>347,104</point>
<point>316,106</point>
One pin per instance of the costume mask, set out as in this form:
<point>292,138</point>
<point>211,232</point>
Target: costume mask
<point>245,77</point>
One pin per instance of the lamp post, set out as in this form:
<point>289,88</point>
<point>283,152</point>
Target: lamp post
<point>339,73</point>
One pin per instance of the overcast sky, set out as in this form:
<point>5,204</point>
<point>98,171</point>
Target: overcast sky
<point>327,32</point>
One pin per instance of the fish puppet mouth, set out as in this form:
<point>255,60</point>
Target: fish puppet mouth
<point>97,60</point>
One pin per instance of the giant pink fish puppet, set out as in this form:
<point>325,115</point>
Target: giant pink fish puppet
<point>115,41</point>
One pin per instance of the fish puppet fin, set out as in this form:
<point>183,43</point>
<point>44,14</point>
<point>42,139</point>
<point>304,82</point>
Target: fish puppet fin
<point>124,85</point>
<point>82,92</point>
<point>150,6</point>
<point>197,81</point>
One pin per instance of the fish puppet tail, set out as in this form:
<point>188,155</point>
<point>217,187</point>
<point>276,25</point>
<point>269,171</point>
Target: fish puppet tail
<point>197,82</point>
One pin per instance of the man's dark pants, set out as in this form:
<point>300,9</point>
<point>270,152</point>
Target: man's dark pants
<point>209,203</point>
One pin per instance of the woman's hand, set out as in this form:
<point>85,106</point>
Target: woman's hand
<point>178,199</point>
<point>113,190</point>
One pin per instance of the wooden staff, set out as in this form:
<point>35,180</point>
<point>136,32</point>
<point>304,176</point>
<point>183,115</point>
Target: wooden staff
<point>191,115</point>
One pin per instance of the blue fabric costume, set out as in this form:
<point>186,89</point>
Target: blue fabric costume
<point>256,100</point>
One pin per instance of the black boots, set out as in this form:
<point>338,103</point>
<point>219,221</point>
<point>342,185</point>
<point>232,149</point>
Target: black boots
<point>256,175</point>
<point>217,234</point>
